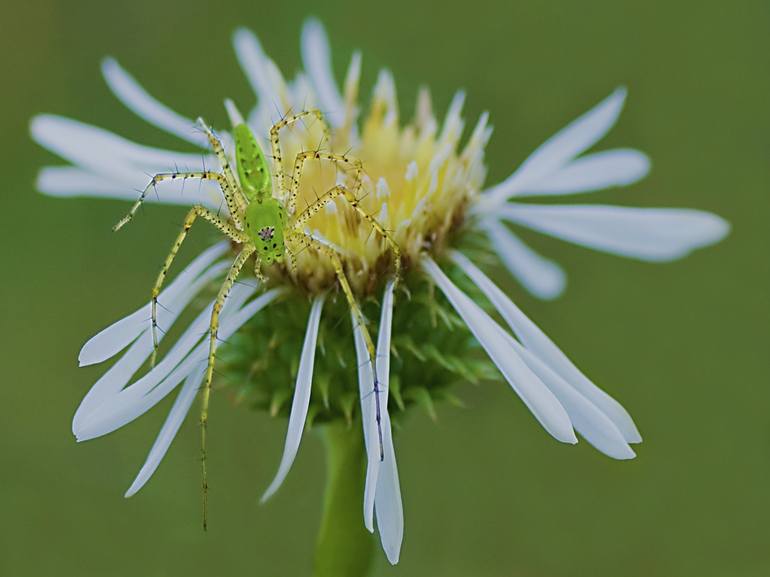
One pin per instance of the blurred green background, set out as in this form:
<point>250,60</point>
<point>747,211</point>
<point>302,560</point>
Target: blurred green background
<point>487,493</point>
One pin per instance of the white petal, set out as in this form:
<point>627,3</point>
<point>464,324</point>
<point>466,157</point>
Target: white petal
<point>570,141</point>
<point>69,181</point>
<point>301,402</point>
<point>653,234</point>
<point>253,62</point>
<point>170,428</point>
<point>387,501</point>
<point>235,116</point>
<point>385,93</point>
<point>542,277</point>
<point>538,342</point>
<point>585,403</point>
<point>368,421</point>
<point>453,122</point>
<point>352,79</point>
<point>588,420</point>
<point>146,392</point>
<point>617,167</point>
<point>139,101</point>
<point>110,390</point>
<point>104,152</point>
<point>536,396</point>
<point>316,56</point>
<point>110,385</point>
<point>175,297</point>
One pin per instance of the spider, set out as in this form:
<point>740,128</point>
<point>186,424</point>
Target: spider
<point>264,225</point>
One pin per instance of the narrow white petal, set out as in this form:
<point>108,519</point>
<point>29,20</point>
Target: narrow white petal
<point>174,297</point>
<point>112,382</point>
<point>139,101</point>
<point>617,167</point>
<point>368,421</point>
<point>111,390</point>
<point>170,428</point>
<point>542,277</point>
<point>301,402</point>
<point>424,119</point>
<point>588,420</point>
<point>536,396</point>
<point>70,181</point>
<point>479,137</point>
<point>596,415</point>
<point>387,501</point>
<point>382,190</point>
<point>316,56</point>
<point>104,152</point>
<point>235,116</point>
<point>385,93</point>
<point>453,122</point>
<point>538,342</point>
<point>411,171</point>
<point>352,79</point>
<point>253,62</point>
<point>652,234</point>
<point>139,397</point>
<point>570,141</point>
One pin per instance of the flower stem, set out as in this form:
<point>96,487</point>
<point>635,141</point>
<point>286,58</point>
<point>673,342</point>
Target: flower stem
<point>345,548</point>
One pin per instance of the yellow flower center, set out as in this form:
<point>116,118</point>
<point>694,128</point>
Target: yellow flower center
<point>417,182</point>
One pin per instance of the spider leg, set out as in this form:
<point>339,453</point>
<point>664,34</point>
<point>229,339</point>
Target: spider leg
<point>310,242</point>
<point>160,177</point>
<point>339,190</point>
<point>224,291</point>
<point>276,145</point>
<point>236,200</point>
<point>258,269</point>
<point>195,212</point>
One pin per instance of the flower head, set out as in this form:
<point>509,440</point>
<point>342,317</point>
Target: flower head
<point>423,186</point>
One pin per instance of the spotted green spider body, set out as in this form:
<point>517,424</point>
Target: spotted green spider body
<point>264,226</point>
<point>265,218</point>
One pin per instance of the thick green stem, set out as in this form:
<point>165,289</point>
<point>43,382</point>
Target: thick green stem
<point>345,548</point>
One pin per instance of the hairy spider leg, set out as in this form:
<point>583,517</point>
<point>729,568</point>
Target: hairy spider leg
<point>276,145</point>
<point>197,210</point>
<point>356,166</point>
<point>236,201</point>
<point>301,219</point>
<point>227,191</point>
<point>258,268</point>
<point>308,241</point>
<point>224,291</point>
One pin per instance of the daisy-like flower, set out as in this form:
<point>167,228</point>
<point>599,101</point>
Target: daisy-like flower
<point>425,184</point>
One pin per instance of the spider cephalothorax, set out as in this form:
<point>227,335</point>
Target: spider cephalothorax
<point>264,225</point>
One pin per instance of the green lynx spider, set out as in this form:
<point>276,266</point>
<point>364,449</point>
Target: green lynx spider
<point>264,226</point>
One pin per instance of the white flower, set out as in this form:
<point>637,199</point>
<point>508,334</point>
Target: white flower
<point>423,188</point>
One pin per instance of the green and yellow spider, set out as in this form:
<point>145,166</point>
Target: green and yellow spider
<point>264,225</point>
